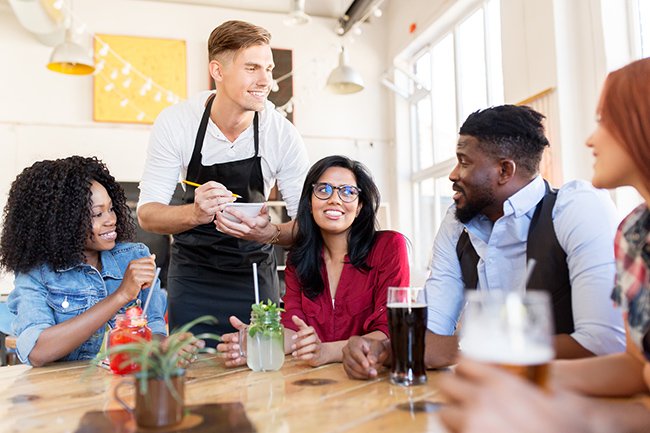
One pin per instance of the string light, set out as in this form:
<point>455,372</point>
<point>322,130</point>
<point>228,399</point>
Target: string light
<point>103,52</point>
<point>148,83</point>
<point>125,102</point>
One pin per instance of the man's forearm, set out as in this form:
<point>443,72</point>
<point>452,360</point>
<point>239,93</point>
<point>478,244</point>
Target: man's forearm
<point>440,350</point>
<point>566,347</point>
<point>287,233</point>
<point>166,219</point>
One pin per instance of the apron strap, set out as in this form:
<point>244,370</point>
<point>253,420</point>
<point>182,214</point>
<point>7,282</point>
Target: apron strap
<point>256,132</point>
<point>194,167</point>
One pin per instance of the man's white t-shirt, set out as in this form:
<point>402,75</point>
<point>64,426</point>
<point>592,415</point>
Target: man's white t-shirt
<point>284,157</point>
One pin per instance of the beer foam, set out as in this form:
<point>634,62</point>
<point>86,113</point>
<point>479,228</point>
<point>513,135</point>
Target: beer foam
<point>405,305</point>
<point>502,352</point>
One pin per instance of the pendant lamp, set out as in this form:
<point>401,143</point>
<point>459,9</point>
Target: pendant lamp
<point>69,57</point>
<point>343,79</point>
<point>297,15</point>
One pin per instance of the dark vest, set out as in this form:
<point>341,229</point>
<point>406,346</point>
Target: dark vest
<point>551,272</point>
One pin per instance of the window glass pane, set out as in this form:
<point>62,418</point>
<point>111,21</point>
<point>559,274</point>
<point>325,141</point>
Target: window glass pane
<point>644,20</point>
<point>471,64</point>
<point>493,57</point>
<point>425,202</point>
<point>444,195</point>
<point>423,130</point>
<point>443,92</point>
<point>433,200</point>
<point>423,69</point>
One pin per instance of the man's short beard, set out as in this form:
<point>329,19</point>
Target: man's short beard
<point>484,197</point>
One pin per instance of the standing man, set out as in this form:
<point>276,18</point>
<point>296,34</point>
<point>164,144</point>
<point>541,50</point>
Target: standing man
<point>230,142</point>
<point>504,214</point>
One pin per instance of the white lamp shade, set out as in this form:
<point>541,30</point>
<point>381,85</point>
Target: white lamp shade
<point>343,79</point>
<point>297,15</point>
<point>71,58</point>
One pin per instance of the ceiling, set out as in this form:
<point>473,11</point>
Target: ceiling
<point>316,8</point>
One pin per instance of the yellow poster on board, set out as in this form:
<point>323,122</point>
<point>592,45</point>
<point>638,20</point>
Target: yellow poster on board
<point>137,77</point>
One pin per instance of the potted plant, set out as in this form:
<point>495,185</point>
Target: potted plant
<point>160,381</point>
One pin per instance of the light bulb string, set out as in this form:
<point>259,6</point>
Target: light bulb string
<point>147,79</point>
<point>123,97</point>
<point>74,18</point>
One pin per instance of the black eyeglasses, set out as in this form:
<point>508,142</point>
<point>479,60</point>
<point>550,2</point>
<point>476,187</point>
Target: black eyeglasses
<point>347,193</point>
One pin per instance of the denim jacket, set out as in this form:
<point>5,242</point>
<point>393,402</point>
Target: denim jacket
<point>44,297</point>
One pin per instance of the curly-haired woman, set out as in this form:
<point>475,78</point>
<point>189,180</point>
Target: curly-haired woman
<point>66,236</point>
<point>340,267</point>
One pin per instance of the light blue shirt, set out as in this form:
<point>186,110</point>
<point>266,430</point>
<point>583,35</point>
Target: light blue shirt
<point>44,297</point>
<point>584,220</point>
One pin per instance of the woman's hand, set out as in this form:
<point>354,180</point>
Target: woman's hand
<point>187,354</point>
<point>307,346</point>
<point>137,276</point>
<point>229,347</point>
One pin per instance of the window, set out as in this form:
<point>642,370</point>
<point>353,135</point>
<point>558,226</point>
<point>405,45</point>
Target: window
<point>462,71</point>
<point>641,8</point>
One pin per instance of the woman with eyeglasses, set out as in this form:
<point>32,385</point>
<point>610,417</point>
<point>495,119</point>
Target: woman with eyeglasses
<point>339,268</point>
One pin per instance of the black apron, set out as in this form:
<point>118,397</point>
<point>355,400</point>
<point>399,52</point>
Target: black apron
<point>211,273</point>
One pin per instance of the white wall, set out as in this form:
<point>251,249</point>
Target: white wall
<point>47,115</point>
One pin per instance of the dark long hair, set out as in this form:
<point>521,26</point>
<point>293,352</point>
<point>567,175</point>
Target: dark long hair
<point>47,218</point>
<point>306,253</point>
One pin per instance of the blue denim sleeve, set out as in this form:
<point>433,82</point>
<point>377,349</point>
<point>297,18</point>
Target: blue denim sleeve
<point>28,302</point>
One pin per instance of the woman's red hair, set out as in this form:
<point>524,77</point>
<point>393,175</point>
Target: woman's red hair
<point>625,112</point>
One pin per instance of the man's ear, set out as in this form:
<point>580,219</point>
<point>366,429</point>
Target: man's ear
<point>507,170</point>
<point>216,70</point>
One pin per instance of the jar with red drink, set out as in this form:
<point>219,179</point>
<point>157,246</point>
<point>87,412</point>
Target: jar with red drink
<point>129,328</point>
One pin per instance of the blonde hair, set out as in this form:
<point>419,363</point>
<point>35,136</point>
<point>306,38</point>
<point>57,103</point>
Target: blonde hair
<point>234,35</point>
<point>625,112</point>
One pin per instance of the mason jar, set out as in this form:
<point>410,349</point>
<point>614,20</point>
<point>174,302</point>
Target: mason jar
<point>127,330</point>
<point>264,341</point>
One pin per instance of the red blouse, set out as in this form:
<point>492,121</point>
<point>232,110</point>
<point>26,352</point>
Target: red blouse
<point>360,301</point>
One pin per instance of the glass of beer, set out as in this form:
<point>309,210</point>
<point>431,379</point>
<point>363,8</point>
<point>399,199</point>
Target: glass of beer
<point>510,329</point>
<point>407,324</point>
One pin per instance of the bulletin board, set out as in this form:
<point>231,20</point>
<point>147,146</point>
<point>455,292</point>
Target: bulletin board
<point>137,77</point>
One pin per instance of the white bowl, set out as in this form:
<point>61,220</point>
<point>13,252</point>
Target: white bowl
<point>251,210</point>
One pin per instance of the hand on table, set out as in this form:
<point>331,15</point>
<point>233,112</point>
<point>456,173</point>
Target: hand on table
<point>187,354</point>
<point>209,200</point>
<point>138,275</point>
<point>306,345</point>
<point>488,399</point>
<point>229,347</point>
<point>362,357</point>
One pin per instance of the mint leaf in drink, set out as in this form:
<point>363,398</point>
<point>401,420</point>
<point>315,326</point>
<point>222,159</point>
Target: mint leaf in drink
<point>265,318</point>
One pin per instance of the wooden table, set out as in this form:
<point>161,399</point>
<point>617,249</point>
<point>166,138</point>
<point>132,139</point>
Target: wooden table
<point>298,398</point>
